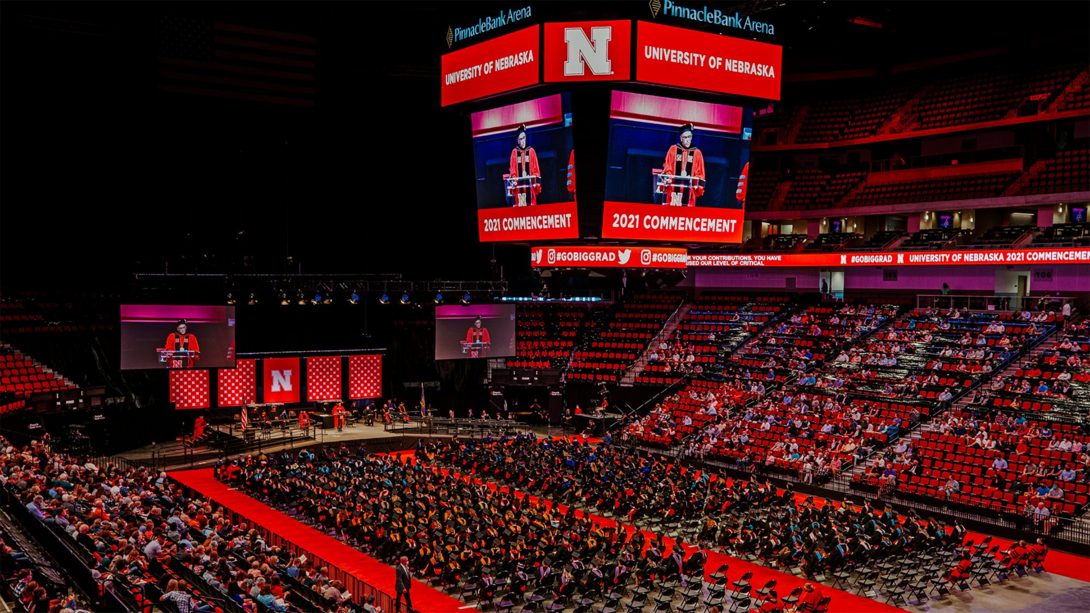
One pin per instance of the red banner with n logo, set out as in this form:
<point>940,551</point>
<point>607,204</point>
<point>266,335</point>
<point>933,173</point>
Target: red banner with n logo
<point>281,379</point>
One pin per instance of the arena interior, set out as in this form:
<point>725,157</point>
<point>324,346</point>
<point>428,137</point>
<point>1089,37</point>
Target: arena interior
<point>309,307</point>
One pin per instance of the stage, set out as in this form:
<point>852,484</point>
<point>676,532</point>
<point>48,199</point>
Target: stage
<point>173,455</point>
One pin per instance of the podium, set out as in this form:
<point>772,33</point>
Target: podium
<point>474,347</point>
<point>519,190</point>
<point>670,189</point>
<point>166,356</point>
<point>324,420</point>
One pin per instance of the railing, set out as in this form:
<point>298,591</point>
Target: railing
<point>360,589</point>
<point>1069,529</point>
<point>445,425</point>
<point>988,303</point>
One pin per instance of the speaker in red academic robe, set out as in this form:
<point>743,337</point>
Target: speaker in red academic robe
<point>180,341</point>
<point>477,341</point>
<point>524,178</point>
<point>683,173</point>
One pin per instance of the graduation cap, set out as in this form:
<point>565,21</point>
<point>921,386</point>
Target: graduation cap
<point>685,128</point>
<point>182,322</point>
<point>520,131</point>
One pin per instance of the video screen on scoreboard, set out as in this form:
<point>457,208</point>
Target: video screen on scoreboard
<point>475,331</point>
<point>524,158</point>
<point>677,169</point>
<point>174,337</point>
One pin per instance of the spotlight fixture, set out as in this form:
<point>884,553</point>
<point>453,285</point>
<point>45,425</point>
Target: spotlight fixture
<point>317,299</point>
<point>465,299</point>
<point>252,301</point>
<point>438,298</point>
<point>404,299</point>
<point>230,298</point>
<point>301,299</point>
<point>384,299</point>
<point>284,299</point>
<point>354,298</point>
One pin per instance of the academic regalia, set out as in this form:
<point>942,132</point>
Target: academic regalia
<point>524,164</point>
<point>684,162</point>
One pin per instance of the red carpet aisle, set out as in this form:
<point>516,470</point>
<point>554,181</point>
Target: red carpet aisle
<point>349,560</point>
<point>842,602</point>
<point>1057,562</point>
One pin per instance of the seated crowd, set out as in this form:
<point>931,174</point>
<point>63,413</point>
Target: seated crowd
<point>1006,463</point>
<point>454,532</point>
<point>715,325</point>
<point>747,520</point>
<point>144,537</point>
<point>1056,381</point>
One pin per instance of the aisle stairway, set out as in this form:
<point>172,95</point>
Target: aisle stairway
<point>666,333</point>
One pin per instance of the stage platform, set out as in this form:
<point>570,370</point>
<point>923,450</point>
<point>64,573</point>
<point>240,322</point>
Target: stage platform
<point>173,455</point>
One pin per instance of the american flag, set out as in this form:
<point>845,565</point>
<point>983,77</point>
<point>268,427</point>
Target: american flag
<point>324,378</point>
<point>207,58</point>
<point>189,389</point>
<point>244,418</point>
<point>237,386</point>
<point>364,376</point>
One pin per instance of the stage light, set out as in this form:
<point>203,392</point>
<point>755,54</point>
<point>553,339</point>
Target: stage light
<point>252,301</point>
<point>301,299</point>
<point>438,298</point>
<point>354,298</point>
<point>316,299</point>
<point>465,299</point>
<point>404,299</point>
<point>384,299</point>
<point>328,299</point>
<point>230,298</point>
<point>284,299</point>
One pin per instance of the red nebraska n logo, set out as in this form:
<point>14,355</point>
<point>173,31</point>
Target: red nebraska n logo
<point>583,53</point>
<point>281,380</point>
